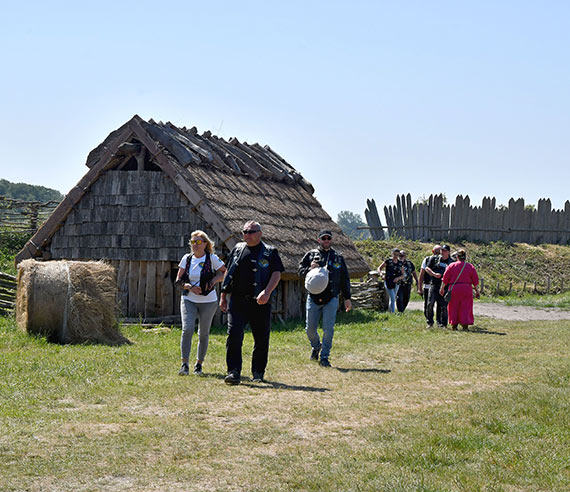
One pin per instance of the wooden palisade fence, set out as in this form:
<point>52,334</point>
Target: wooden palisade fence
<point>435,220</point>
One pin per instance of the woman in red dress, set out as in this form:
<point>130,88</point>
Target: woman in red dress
<point>460,307</point>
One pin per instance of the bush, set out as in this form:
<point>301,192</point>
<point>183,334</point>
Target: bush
<point>10,244</point>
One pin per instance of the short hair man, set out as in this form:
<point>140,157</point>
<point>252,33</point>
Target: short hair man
<point>254,270</point>
<point>403,294</point>
<point>325,304</point>
<point>436,266</point>
<point>425,278</point>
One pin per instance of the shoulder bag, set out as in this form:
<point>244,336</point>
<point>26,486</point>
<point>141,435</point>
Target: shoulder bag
<point>447,295</point>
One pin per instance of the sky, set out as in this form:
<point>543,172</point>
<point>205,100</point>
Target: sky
<point>366,99</point>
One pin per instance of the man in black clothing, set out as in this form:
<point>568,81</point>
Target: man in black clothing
<point>254,270</point>
<point>435,267</point>
<point>403,295</point>
<point>425,279</point>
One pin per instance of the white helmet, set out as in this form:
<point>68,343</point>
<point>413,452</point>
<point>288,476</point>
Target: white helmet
<point>317,280</point>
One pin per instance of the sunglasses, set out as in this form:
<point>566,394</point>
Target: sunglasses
<point>250,231</point>
<point>326,238</point>
<point>196,241</point>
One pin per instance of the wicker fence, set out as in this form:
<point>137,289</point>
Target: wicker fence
<point>17,216</point>
<point>434,219</point>
<point>7,293</point>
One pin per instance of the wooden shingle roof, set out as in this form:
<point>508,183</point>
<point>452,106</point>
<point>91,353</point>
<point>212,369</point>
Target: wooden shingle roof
<point>227,181</point>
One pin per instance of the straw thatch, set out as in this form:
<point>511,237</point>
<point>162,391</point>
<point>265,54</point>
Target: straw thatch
<point>68,301</point>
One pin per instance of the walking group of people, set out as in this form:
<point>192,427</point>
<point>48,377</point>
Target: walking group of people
<point>252,273</point>
<point>446,283</point>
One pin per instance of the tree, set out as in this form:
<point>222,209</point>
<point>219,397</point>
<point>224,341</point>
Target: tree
<point>349,223</point>
<point>28,193</point>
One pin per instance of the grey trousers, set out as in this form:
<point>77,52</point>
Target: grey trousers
<point>190,311</point>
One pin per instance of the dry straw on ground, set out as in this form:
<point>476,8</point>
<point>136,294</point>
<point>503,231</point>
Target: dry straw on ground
<point>68,301</point>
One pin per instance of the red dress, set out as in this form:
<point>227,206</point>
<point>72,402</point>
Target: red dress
<point>460,308</point>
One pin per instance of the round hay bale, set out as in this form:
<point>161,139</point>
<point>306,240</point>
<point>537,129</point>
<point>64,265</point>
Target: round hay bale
<point>68,301</point>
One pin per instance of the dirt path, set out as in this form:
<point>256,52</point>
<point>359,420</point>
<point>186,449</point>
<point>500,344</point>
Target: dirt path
<point>510,313</point>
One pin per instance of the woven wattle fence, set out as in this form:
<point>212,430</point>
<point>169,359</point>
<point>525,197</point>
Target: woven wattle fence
<point>7,293</point>
<point>370,294</point>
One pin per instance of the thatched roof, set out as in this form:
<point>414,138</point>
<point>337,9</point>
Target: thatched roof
<point>228,182</point>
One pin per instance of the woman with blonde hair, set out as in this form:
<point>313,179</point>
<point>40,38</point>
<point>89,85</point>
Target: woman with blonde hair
<point>198,273</point>
<point>461,278</point>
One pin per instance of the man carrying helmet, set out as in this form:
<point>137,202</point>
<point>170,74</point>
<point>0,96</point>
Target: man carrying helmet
<point>324,303</point>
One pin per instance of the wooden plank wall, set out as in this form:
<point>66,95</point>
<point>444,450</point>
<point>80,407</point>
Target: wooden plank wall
<point>129,215</point>
<point>434,220</point>
<point>146,288</point>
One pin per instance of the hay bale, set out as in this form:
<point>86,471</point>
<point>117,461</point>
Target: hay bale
<point>68,301</point>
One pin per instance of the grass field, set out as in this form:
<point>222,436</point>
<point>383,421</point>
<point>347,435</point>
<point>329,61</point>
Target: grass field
<point>402,409</point>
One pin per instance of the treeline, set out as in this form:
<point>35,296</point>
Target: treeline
<point>28,193</point>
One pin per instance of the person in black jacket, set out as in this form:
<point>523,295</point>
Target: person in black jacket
<point>325,304</point>
<point>425,280</point>
<point>403,295</point>
<point>253,272</point>
<point>435,267</point>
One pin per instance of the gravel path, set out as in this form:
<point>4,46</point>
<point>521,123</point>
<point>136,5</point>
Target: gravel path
<point>510,313</point>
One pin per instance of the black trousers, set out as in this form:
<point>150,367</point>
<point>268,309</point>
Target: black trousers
<point>441,311</point>
<point>403,297</point>
<point>241,311</point>
<point>425,295</point>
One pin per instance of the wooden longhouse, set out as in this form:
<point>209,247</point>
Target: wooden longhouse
<point>149,185</point>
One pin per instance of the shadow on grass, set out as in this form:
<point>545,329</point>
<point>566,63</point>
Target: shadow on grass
<point>484,331</point>
<point>282,386</point>
<point>266,384</point>
<point>370,369</point>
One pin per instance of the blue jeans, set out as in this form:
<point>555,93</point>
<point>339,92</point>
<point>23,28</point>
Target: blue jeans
<point>328,312</point>
<point>392,293</point>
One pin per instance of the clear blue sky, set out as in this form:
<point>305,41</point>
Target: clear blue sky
<point>367,99</point>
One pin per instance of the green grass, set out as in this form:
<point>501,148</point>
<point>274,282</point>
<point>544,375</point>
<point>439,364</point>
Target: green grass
<point>402,409</point>
<point>560,301</point>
